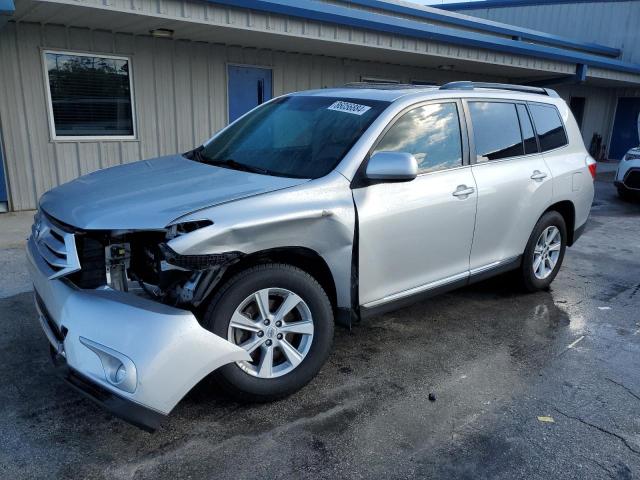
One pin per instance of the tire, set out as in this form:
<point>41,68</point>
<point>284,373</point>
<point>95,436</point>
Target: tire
<point>625,194</point>
<point>261,380</point>
<point>535,275</point>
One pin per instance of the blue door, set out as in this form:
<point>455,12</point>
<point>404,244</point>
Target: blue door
<point>248,88</point>
<point>625,127</point>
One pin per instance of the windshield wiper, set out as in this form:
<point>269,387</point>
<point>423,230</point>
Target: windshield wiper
<point>231,163</point>
<point>198,155</point>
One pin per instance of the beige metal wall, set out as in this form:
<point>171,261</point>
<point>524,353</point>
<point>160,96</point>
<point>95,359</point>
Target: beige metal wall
<point>179,90</point>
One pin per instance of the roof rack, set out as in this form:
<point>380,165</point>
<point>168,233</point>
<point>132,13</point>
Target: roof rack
<point>466,85</point>
<point>388,85</point>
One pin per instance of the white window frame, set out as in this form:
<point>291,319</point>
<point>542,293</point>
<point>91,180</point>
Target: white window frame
<point>87,138</point>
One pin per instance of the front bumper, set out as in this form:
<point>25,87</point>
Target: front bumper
<point>132,412</point>
<point>164,349</point>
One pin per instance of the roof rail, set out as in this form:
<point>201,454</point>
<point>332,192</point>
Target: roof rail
<point>388,85</point>
<point>466,85</point>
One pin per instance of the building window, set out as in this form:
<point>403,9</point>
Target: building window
<point>90,96</point>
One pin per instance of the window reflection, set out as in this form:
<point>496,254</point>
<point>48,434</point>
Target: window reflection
<point>549,126</point>
<point>496,130</point>
<point>431,133</point>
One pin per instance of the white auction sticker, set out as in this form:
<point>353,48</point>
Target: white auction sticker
<point>348,107</point>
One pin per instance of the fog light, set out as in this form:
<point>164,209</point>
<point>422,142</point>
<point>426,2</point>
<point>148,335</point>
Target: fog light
<point>121,373</point>
<point>119,370</point>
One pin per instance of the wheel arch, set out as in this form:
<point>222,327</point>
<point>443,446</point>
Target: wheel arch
<point>304,258</point>
<point>567,209</point>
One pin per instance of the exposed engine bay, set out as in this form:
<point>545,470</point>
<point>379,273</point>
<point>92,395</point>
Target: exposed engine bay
<point>142,262</point>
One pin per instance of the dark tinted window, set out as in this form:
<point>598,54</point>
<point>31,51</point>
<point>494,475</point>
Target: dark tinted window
<point>298,136</point>
<point>90,96</point>
<point>548,126</point>
<point>496,130</point>
<point>431,133</point>
<point>530,143</point>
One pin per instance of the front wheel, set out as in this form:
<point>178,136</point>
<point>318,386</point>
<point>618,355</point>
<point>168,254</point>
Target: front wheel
<point>544,252</point>
<point>282,317</point>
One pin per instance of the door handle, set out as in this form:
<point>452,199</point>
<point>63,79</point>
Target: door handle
<point>538,175</point>
<point>463,191</point>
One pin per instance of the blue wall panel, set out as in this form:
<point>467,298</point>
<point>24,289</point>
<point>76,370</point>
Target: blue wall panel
<point>248,88</point>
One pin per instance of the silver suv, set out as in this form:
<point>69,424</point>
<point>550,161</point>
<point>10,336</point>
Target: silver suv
<point>318,207</point>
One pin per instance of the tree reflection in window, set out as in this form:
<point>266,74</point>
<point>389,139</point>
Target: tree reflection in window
<point>90,95</point>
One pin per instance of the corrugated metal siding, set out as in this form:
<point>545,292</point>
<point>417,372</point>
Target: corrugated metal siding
<point>200,13</point>
<point>614,24</point>
<point>179,90</point>
<point>598,110</point>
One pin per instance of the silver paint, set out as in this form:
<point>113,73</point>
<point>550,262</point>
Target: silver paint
<point>413,236</point>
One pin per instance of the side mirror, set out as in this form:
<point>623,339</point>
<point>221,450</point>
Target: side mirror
<point>392,167</point>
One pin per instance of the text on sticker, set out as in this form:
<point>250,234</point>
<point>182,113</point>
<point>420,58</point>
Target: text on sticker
<point>348,107</point>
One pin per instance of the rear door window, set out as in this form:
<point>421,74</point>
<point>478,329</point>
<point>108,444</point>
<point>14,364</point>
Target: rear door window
<point>549,126</point>
<point>496,130</point>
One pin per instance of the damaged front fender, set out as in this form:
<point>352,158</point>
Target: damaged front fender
<point>319,216</point>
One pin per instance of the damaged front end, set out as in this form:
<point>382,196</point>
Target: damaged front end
<point>120,311</point>
<point>143,263</point>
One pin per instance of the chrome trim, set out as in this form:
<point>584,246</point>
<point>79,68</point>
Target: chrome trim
<point>55,246</point>
<point>415,290</point>
<point>439,283</point>
<point>111,360</point>
<point>491,266</point>
<point>627,174</point>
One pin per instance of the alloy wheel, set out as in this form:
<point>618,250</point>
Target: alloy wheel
<point>275,326</point>
<point>547,252</point>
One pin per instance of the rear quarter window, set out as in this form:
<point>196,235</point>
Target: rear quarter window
<point>549,127</point>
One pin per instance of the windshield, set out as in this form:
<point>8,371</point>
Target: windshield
<point>297,136</point>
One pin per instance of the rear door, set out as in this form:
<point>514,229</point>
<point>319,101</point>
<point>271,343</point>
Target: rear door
<point>414,236</point>
<point>513,181</point>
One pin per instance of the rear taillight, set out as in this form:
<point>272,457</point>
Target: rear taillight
<point>591,163</point>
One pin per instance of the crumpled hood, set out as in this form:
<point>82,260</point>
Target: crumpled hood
<point>151,193</point>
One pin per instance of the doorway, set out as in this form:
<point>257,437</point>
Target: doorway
<point>625,127</point>
<point>248,88</point>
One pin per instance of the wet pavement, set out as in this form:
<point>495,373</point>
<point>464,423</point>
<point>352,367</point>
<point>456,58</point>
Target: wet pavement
<point>496,360</point>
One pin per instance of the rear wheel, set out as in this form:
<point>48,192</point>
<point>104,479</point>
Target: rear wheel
<point>282,317</point>
<point>544,252</point>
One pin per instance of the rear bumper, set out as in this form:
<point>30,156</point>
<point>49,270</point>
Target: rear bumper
<point>162,350</point>
<point>577,233</point>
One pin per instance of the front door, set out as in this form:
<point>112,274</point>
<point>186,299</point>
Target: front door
<point>416,235</point>
<point>248,88</point>
<point>625,127</point>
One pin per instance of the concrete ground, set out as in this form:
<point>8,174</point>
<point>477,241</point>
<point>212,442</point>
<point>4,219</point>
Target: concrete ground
<point>498,362</point>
